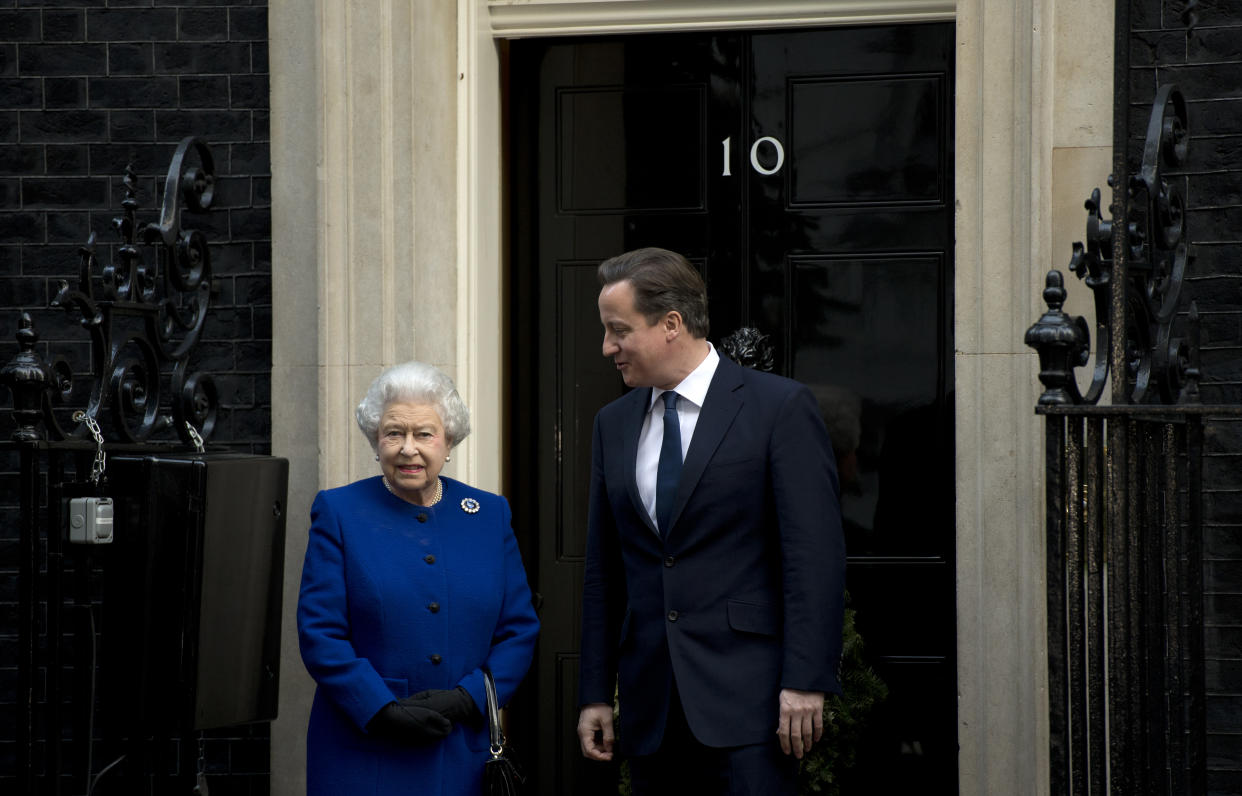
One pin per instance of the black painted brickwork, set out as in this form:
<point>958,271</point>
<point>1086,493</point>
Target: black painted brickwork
<point>86,87</point>
<point>1207,65</point>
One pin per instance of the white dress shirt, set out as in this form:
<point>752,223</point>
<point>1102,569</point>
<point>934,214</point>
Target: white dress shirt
<point>691,393</point>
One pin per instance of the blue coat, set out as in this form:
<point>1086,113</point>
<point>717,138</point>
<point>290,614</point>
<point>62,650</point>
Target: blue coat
<point>744,596</point>
<point>396,599</point>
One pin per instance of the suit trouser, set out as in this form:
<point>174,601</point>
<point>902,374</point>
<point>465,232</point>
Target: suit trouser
<point>683,766</point>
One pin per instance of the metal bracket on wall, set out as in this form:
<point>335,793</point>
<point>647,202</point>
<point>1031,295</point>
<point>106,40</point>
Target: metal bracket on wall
<point>1161,367</point>
<point>144,315</point>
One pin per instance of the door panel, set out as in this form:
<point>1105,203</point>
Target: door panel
<point>609,136</point>
<point>578,398</point>
<point>600,120</point>
<point>870,324</point>
<point>838,158</point>
<point>808,175</point>
<point>856,290</point>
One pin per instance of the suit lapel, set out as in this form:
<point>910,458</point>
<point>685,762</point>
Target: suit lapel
<point>633,426</point>
<point>720,407</point>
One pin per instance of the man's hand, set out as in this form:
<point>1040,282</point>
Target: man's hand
<point>801,724</point>
<point>595,731</point>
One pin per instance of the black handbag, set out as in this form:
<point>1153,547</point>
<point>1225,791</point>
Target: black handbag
<point>501,775</point>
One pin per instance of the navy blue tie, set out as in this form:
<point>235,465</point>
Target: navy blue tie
<point>668,473</point>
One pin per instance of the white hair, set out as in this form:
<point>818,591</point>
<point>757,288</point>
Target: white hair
<point>416,382</point>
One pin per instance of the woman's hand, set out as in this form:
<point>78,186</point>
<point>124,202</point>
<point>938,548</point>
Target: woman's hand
<point>408,724</point>
<point>455,705</point>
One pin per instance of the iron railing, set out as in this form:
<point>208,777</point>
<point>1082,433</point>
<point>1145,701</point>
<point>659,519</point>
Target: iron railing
<point>1124,484</point>
<point>143,315</point>
<point>1125,598</point>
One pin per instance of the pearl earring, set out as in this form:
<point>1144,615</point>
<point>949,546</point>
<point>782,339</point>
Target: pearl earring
<point>377,457</point>
<point>448,459</point>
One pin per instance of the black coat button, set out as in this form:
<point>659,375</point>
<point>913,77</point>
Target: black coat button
<point>433,607</point>
<point>672,616</point>
<point>422,517</point>
<point>435,659</point>
<point>430,559</point>
<point>668,562</point>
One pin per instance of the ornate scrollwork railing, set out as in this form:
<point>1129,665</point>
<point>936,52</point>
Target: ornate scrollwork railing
<point>143,318</point>
<point>1124,486</point>
<point>1159,365</point>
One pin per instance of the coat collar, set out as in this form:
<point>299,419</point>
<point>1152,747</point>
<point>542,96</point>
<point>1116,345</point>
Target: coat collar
<point>724,400</point>
<point>635,412</point>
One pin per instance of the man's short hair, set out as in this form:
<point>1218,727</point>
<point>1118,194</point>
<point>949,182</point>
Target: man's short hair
<point>663,280</point>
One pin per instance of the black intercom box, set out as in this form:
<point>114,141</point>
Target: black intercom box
<point>192,589</point>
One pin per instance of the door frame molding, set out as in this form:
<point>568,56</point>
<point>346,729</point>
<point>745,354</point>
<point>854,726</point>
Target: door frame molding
<point>513,19</point>
<point>1002,175</point>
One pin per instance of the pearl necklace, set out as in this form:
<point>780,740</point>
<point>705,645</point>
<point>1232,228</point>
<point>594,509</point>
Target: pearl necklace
<point>434,500</point>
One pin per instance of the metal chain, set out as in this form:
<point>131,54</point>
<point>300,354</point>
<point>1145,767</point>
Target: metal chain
<point>194,437</point>
<point>101,459</point>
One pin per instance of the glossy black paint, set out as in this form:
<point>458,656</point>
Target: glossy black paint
<point>842,255</point>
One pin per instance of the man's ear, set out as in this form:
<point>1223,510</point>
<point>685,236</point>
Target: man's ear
<point>673,324</point>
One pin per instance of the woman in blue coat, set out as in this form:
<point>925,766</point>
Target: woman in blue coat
<point>411,587</point>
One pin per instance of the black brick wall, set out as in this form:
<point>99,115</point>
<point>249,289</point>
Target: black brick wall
<point>87,87</point>
<point>1206,65</point>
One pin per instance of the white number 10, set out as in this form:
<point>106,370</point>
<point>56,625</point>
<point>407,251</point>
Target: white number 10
<point>726,145</point>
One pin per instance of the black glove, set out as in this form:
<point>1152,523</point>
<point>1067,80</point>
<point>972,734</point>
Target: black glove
<point>457,706</point>
<point>408,724</point>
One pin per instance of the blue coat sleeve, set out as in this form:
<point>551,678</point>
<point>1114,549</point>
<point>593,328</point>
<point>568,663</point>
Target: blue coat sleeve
<point>513,641</point>
<point>350,681</point>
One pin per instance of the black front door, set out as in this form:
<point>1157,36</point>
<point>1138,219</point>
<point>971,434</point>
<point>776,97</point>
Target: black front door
<point>809,175</point>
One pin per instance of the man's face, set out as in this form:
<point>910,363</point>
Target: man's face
<point>639,349</point>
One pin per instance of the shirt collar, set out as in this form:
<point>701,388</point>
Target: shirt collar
<point>694,387</point>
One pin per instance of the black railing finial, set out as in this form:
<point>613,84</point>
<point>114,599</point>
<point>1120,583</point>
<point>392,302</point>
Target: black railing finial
<point>28,378</point>
<point>1063,344</point>
<point>1156,361</point>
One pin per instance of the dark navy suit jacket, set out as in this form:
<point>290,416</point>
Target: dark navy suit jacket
<point>744,596</point>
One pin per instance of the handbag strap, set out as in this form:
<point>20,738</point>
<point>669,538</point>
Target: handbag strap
<point>493,715</point>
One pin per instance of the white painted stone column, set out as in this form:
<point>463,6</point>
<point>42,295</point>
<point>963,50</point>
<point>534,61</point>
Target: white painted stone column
<point>1002,163</point>
<point>366,268</point>
<point>1082,136</point>
<point>1034,100</point>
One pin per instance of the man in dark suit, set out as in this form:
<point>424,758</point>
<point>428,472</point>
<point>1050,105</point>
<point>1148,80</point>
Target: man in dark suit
<point>715,565</point>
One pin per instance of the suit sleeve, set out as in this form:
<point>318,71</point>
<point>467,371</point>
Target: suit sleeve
<point>807,502</point>
<point>513,641</point>
<point>350,681</point>
<point>603,589</point>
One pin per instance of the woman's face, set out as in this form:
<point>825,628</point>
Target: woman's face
<point>412,448</point>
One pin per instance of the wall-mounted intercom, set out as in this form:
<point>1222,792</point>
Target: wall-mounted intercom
<point>90,520</point>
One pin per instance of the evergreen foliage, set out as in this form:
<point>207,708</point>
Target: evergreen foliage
<point>844,718</point>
